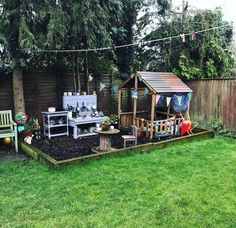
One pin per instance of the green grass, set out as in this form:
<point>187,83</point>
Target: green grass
<point>188,185</point>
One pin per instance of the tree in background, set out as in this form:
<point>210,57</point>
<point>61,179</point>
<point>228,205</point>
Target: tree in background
<point>18,30</point>
<point>203,55</point>
<point>126,29</point>
<point>27,26</point>
<point>80,25</point>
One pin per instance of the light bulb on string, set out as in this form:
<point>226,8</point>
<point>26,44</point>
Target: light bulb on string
<point>183,37</point>
<point>193,35</point>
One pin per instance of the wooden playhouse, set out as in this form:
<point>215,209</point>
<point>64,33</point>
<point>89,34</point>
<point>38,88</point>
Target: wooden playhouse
<point>145,90</point>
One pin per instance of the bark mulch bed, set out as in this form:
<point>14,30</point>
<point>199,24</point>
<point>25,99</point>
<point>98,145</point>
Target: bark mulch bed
<point>62,148</point>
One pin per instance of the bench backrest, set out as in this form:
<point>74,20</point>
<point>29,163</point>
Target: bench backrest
<point>5,118</point>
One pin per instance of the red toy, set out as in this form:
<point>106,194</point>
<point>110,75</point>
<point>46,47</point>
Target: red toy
<point>186,127</point>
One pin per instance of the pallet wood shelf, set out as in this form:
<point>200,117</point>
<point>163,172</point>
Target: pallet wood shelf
<point>50,126</point>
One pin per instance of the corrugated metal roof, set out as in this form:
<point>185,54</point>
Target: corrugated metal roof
<point>162,82</point>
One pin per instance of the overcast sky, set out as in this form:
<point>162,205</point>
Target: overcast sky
<point>228,7</point>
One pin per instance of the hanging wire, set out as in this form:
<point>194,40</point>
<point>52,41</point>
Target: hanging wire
<point>128,45</point>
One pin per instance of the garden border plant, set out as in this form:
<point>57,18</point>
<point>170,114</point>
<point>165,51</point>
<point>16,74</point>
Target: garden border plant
<point>218,127</point>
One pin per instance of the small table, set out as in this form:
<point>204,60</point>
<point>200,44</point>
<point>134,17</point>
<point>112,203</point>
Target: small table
<point>105,139</point>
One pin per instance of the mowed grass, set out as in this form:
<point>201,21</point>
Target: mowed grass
<point>188,185</point>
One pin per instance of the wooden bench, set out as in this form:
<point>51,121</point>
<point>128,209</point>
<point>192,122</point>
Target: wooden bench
<point>8,127</point>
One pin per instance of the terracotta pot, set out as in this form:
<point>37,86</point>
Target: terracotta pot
<point>106,126</point>
<point>24,134</point>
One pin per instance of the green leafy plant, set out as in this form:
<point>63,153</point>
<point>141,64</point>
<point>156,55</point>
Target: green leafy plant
<point>106,124</point>
<point>205,55</point>
<point>114,118</point>
<point>217,125</point>
<point>107,121</point>
<point>32,126</point>
<point>187,67</point>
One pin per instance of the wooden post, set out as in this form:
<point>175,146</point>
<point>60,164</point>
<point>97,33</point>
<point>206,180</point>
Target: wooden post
<point>73,72</point>
<point>187,111</point>
<point>152,115</point>
<point>147,128</point>
<point>168,112</point>
<point>86,71</point>
<point>119,104</point>
<point>77,73</point>
<point>135,100</point>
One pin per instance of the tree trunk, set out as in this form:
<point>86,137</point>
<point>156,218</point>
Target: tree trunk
<point>77,72</point>
<point>18,90</point>
<point>73,72</point>
<point>86,71</point>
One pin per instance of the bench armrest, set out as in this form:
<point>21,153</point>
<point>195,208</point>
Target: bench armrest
<point>13,123</point>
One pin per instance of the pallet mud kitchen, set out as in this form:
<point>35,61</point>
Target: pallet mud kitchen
<point>83,114</point>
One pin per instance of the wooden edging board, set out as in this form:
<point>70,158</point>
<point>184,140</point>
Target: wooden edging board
<point>45,158</point>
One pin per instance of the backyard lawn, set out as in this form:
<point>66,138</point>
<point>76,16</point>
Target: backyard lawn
<point>193,184</point>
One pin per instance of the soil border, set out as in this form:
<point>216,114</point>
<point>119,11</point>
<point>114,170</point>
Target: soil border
<point>46,159</point>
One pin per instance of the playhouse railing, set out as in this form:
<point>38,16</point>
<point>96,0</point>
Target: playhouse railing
<point>170,125</point>
<point>126,118</point>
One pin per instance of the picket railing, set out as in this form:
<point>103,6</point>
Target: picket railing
<point>169,125</point>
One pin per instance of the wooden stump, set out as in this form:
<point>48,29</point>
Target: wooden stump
<point>105,142</point>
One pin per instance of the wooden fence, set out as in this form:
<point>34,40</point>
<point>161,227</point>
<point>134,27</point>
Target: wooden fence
<point>211,98</point>
<point>42,90</point>
<point>214,99</point>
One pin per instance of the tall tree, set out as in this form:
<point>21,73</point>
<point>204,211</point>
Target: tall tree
<point>202,55</point>
<point>85,24</point>
<point>136,16</point>
<point>18,29</point>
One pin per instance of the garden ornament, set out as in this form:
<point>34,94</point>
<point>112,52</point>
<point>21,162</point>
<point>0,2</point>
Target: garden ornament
<point>21,128</point>
<point>21,118</point>
<point>28,139</point>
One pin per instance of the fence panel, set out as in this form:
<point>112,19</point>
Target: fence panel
<point>214,99</point>
<point>211,98</point>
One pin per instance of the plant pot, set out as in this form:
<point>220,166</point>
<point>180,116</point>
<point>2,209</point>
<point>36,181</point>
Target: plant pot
<point>115,124</point>
<point>106,126</point>
<point>24,134</point>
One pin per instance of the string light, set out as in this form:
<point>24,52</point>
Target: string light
<point>183,35</point>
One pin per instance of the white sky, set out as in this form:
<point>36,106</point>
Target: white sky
<point>228,7</point>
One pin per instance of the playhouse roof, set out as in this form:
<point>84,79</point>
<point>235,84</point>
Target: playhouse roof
<point>158,82</point>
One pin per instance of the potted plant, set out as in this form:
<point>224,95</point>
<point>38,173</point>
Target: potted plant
<point>106,124</point>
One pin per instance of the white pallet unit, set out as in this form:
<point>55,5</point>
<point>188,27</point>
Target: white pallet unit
<point>51,122</point>
<point>77,101</point>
